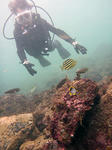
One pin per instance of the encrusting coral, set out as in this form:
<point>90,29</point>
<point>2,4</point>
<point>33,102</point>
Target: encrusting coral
<point>69,110</point>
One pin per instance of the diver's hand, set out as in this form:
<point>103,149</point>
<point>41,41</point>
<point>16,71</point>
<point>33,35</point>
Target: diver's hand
<point>29,68</point>
<point>79,48</point>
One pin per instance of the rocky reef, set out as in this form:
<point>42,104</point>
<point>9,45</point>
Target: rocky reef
<point>59,119</point>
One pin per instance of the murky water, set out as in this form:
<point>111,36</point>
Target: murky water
<point>88,21</point>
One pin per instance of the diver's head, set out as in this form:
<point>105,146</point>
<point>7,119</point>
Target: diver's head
<point>17,6</point>
<point>24,18</point>
<point>22,11</point>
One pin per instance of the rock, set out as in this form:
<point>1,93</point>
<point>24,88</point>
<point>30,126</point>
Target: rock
<point>27,145</point>
<point>12,104</point>
<point>11,126</point>
<point>69,110</point>
<point>100,130</point>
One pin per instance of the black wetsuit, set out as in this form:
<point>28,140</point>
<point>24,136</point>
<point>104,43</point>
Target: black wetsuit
<point>35,39</point>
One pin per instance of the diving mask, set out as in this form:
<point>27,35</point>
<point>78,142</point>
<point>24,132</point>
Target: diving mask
<point>24,18</point>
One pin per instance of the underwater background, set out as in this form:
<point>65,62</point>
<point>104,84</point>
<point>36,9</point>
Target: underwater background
<point>90,22</point>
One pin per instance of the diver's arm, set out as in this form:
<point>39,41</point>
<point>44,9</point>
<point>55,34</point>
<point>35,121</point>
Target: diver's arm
<point>20,51</point>
<point>63,35</point>
<point>19,43</point>
<point>54,30</point>
<point>24,61</point>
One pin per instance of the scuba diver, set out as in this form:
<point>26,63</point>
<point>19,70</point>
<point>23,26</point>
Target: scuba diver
<point>32,36</point>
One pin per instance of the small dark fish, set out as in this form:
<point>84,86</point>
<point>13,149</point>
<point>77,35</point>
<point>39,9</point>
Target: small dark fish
<point>83,70</point>
<point>68,64</point>
<point>11,91</point>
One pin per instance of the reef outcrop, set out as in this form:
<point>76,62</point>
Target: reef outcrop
<point>69,110</point>
<point>100,129</point>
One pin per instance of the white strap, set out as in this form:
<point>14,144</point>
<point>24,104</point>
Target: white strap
<point>75,43</point>
<point>25,62</point>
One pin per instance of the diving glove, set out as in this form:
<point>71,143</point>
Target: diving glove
<point>29,68</point>
<point>79,48</point>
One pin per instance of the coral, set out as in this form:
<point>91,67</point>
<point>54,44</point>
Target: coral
<point>100,129</point>
<point>68,110</point>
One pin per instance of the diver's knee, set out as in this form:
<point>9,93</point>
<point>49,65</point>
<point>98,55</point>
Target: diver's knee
<point>52,46</point>
<point>57,44</point>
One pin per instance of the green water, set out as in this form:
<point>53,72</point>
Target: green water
<point>88,21</point>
